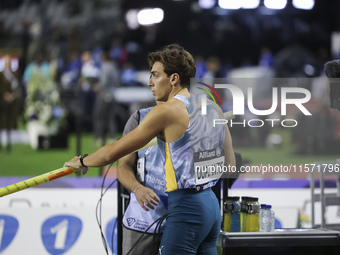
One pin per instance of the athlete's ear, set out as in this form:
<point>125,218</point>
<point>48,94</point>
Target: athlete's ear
<point>174,78</point>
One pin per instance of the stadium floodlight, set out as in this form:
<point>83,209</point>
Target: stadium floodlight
<point>131,19</point>
<point>206,4</point>
<point>152,16</point>
<point>230,4</point>
<point>275,4</point>
<point>238,4</point>
<point>303,4</point>
<point>250,4</point>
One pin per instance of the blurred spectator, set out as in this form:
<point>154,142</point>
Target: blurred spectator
<point>118,53</point>
<point>213,68</point>
<point>38,67</point>
<point>9,99</point>
<point>266,58</point>
<point>96,55</point>
<point>201,67</point>
<point>105,111</point>
<point>128,75</point>
<point>70,77</point>
<point>88,80</point>
<point>43,108</point>
<point>89,69</point>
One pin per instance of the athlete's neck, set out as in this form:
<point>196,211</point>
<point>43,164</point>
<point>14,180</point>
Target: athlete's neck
<point>180,91</point>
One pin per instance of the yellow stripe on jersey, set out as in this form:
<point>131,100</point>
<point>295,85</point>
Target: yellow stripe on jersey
<point>170,177</point>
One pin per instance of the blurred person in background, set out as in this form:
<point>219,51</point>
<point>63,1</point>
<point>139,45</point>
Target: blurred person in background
<point>9,100</point>
<point>88,79</point>
<point>266,58</point>
<point>201,67</point>
<point>213,68</point>
<point>43,107</point>
<point>105,109</point>
<point>119,53</point>
<point>70,76</point>
<point>39,67</point>
<point>128,75</point>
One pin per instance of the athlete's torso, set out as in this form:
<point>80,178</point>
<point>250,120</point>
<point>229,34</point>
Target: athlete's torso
<point>200,146</point>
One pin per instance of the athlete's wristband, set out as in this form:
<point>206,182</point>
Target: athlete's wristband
<point>81,159</point>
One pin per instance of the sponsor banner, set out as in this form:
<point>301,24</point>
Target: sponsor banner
<point>43,222</point>
<point>57,226</point>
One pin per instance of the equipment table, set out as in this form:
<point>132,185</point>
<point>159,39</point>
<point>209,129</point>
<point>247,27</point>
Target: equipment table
<point>281,241</point>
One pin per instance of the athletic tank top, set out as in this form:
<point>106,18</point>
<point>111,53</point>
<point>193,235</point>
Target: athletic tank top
<point>191,160</point>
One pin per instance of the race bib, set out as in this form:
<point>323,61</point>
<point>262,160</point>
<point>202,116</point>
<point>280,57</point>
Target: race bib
<point>208,167</point>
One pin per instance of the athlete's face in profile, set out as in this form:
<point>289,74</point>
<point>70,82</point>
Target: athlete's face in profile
<point>159,82</point>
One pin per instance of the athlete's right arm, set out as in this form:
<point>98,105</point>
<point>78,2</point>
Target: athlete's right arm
<point>153,123</point>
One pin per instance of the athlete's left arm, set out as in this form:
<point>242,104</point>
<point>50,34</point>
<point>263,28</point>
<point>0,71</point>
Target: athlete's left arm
<point>228,149</point>
<point>229,154</point>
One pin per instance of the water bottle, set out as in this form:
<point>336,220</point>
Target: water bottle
<point>251,221</point>
<point>244,203</point>
<point>271,215</point>
<point>263,217</point>
<point>232,209</point>
<point>235,215</point>
<point>227,216</point>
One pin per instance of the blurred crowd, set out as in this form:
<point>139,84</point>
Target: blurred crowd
<point>52,89</point>
<point>55,90</point>
<point>64,67</point>
<point>89,78</point>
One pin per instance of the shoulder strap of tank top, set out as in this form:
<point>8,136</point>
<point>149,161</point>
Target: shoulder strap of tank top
<point>181,98</point>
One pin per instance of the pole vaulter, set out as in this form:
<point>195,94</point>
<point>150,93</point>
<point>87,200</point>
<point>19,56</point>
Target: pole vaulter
<point>61,172</point>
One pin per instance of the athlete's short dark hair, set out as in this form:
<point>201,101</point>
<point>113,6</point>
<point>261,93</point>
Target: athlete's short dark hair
<point>175,59</point>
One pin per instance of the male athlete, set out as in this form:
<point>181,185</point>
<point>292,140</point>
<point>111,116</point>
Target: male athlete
<point>189,146</point>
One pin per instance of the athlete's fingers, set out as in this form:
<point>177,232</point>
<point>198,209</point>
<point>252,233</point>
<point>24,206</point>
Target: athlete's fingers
<point>148,204</point>
<point>154,197</point>
<point>153,200</point>
<point>147,198</point>
<point>142,199</point>
<point>142,205</point>
<point>149,194</point>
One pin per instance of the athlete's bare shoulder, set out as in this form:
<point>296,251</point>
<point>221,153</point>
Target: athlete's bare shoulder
<point>159,115</point>
<point>161,109</point>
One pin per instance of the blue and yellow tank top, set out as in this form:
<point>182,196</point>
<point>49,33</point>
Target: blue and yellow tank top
<point>196,158</point>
